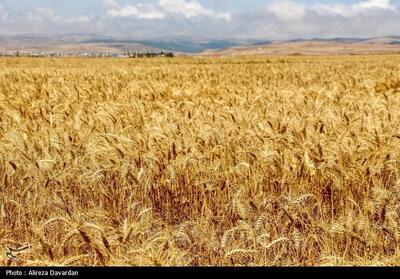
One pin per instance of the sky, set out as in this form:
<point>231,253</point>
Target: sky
<point>214,19</point>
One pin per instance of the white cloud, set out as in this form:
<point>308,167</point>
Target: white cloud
<point>110,3</point>
<point>376,4</point>
<point>78,19</point>
<point>190,9</point>
<point>352,10</point>
<point>144,11</point>
<point>187,9</point>
<point>362,18</point>
<point>269,19</point>
<point>287,10</point>
<point>41,14</point>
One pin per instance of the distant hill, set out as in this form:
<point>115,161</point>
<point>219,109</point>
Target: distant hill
<point>389,44</point>
<point>388,40</point>
<point>94,43</point>
<point>72,43</point>
<point>193,45</point>
<point>69,44</point>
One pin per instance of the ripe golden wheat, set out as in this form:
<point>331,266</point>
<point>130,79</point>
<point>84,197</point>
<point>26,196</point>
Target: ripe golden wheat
<point>199,162</point>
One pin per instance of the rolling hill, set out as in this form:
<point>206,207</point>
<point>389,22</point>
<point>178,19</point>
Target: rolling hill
<point>389,44</point>
<point>92,43</point>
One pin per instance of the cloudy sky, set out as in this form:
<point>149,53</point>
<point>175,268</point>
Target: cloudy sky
<point>266,19</point>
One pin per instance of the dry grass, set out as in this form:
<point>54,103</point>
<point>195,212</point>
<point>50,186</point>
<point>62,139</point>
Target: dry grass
<point>280,161</point>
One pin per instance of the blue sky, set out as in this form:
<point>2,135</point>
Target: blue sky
<point>267,19</point>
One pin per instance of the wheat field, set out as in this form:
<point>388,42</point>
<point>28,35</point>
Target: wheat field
<point>285,161</point>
